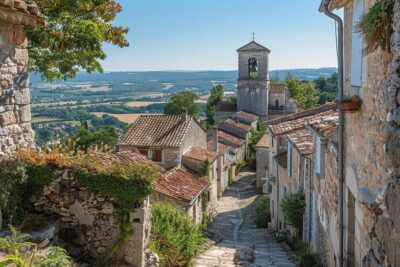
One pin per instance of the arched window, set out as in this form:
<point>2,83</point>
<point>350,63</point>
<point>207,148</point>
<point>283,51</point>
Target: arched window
<point>253,68</point>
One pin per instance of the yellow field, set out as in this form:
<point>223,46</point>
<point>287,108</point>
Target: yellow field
<point>96,89</point>
<point>128,118</point>
<point>138,104</point>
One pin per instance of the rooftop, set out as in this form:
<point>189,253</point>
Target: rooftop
<point>253,46</point>
<point>264,142</point>
<point>327,126</point>
<point>277,87</point>
<point>230,138</point>
<point>157,131</point>
<point>221,147</point>
<point>237,124</point>
<point>224,106</point>
<point>200,154</point>
<point>303,141</point>
<point>308,112</point>
<point>181,183</point>
<point>247,115</point>
<point>301,123</point>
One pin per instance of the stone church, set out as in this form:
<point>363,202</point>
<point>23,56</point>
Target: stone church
<point>255,93</point>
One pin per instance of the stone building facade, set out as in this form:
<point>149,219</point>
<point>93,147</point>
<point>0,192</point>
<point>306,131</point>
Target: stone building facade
<point>372,141</point>
<point>15,111</point>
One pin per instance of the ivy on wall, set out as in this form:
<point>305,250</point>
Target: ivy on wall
<point>25,176</point>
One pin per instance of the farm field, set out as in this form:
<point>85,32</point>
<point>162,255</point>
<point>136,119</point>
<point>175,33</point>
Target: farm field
<point>127,118</point>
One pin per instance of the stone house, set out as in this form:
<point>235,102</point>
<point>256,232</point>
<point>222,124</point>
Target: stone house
<point>246,118</point>
<point>186,189</point>
<point>164,138</point>
<point>223,165</point>
<point>224,110</point>
<point>237,129</point>
<point>262,161</point>
<point>286,170</point>
<point>237,146</point>
<point>15,111</point>
<point>371,186</point>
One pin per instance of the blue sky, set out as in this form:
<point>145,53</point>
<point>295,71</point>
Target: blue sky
<point>204,34</point>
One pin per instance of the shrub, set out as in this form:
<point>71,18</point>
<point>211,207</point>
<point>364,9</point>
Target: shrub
<point>239,166</point>
<point>293,206</point>
<point>306,259</point>
<point>24,254</point>
<point>230,175</point>
<point>175,237</point>
<point>263,213</point>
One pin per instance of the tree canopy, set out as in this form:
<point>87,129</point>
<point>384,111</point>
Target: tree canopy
<point>216,95</point>
<point>183,101</point>
<point>71,39</point>
<point>305,93</point>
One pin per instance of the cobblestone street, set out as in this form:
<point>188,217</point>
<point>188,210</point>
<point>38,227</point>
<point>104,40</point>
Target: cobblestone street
<point>238,241</point>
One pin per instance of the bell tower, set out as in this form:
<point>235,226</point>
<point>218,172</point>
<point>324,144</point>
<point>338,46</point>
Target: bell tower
<point>253,82</point>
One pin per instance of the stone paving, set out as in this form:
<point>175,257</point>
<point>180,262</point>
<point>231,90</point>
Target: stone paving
<point>238,241</point>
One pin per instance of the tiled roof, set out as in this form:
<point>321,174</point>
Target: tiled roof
<point>124,157</point>
<point>277,87</point>
<point>298,124</point>
<point>308,112</point>
<point>281,159</point>
<point>230,138</point>
<point>158,131</point>
<point>221,147</point>
<point>21,6</point>
<point>247,115</point>
<point>226,107</point>
<point>238,124</point>
<point>182,184</point>
<point>327,126</point>
<point>303,141</point>
<point>200,154</point>
<point>264,142</point>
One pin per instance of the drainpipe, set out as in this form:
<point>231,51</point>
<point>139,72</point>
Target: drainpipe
<point>325,9</point>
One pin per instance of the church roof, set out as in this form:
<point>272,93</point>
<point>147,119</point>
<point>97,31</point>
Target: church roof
<point>253,46</point>
<point>158,131</point>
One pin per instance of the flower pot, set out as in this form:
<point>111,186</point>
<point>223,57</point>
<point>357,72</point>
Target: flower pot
<point>351,106</point>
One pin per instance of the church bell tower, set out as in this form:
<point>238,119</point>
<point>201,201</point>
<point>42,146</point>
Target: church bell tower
<point>253,82</point>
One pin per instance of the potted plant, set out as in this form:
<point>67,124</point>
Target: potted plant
<point>351,104</point>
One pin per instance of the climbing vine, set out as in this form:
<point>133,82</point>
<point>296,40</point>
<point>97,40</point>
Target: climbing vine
<point>26,175</point>
<point>293,206</point>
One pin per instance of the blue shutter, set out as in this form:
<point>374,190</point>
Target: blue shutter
<point>289,159</point>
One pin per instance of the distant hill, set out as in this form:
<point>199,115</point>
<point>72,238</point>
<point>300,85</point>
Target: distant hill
<point>166,76</point>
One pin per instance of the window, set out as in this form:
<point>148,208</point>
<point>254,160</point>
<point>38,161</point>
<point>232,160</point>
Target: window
<point>289,159</point>
<point>144,152</point>
<point>253,68</point>
<point>356,45</point>
<point>320,159</point>
<point>157,155</point>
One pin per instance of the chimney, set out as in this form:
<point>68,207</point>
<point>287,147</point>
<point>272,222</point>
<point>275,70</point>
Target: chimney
<point>184,116</point>
<point>215,138</point>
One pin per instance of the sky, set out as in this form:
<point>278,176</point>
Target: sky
<point>204,34</point>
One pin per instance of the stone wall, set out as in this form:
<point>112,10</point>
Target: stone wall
<point>15,110</point>
<point>372,154</point>
<point>196,136</point>
<point>262,165</point>
<point>86,222</point>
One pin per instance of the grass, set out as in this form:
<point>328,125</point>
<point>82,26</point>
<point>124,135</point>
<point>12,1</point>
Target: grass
<point>44,119</point>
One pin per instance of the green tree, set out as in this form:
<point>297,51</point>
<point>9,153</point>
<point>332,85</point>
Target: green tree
<point>256,135</point>
<point>217,94</point>
<point>72,37</point>
<point>293,206</point>
<point>183,101</point>
<point>304,92</point>
<point>105,139</point>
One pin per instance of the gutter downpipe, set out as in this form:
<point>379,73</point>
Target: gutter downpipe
<point>325,9</point>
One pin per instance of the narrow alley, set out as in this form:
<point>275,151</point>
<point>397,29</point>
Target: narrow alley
<point>238,241</point>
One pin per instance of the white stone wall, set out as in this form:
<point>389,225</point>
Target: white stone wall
<point>15,111</point>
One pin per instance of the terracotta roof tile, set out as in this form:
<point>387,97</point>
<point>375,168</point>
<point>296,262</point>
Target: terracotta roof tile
<point>182,184</point>
<point>226,107</point>
<point>223,136</point>
<point>303,141</point>
<point>306,113</point>
<point>237,124</point>
<point>21,6</point>
<point>200,154</point>
<point>158,131</point>
<point>124,157</point>
<point>248,115</point>
<point>221,147</point>
<point>301,123</point>
<point>264,142</point>
<point>277,87</point>
<point>327,126</point>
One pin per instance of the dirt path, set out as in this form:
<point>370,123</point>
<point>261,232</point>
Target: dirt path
<point>239,242</point>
